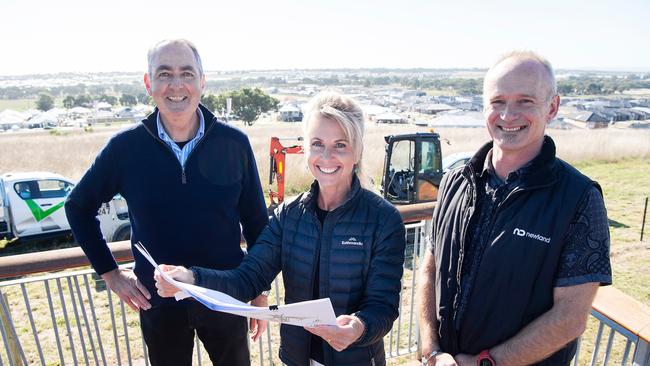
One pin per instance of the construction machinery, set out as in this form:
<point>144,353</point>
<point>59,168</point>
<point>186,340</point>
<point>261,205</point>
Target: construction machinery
<point>278,154</point>
<point>412,168</point>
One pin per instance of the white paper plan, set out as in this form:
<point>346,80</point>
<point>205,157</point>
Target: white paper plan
<point>306,313</point>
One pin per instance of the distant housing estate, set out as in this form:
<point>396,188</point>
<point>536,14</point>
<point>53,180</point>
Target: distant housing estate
<point>73,117</point>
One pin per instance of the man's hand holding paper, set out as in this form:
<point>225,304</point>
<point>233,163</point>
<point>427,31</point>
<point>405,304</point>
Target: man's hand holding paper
<point>178,273</point>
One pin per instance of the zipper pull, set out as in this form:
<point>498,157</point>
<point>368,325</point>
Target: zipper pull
<point>183,178</point>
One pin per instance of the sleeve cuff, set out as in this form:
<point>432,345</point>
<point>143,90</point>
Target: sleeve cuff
<point>603,279</point>
<point>364,336</point>
<point>197,275</point>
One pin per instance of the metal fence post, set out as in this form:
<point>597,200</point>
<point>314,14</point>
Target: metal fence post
<point>11,342</point>
<point>641,354</point>
<point>645,209</point>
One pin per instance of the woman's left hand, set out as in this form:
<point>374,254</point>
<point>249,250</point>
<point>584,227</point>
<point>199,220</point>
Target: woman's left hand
<point>347,330</point>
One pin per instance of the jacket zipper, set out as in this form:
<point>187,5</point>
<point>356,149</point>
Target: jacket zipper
<point>318,250</point>
<point>316,257</point>
<point>461,254</point>
<point>321,241</point>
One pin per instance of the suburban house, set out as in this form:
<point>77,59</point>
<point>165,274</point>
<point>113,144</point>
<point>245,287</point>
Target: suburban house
<point>290,113</point>
<point>588,120</point>
<point>389,117</point>
<point>433,108</point>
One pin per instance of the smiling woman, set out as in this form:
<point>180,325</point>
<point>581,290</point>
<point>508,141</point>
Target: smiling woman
<point>328,242</point>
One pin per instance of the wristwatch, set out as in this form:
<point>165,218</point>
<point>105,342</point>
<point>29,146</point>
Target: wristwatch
<point>425,360</point>
<point>266,293</point>
<point>484,359</point>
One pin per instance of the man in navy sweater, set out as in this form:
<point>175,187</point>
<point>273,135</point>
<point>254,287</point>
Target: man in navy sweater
<point>189,181</point>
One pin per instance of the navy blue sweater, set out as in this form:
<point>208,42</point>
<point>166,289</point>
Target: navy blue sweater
<point>186,216</point>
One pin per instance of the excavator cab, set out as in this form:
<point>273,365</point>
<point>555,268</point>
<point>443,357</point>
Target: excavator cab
<point>412,168</point>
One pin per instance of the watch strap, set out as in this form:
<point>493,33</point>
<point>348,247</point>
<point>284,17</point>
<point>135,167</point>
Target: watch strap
<point>427,358</point>
<point>485,359</point>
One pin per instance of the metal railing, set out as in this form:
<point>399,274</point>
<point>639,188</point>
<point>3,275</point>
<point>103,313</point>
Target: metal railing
<point>627,325</point>
<point>70,318</point>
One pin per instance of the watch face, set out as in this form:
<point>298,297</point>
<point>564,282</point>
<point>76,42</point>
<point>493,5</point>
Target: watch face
<point>485,362</point>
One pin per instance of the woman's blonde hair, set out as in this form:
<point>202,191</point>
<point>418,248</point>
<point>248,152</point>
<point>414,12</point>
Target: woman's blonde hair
<point>349,115</point>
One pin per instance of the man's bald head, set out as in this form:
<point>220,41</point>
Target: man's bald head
<point>528,60</point>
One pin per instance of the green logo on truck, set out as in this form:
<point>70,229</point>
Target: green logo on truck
<point>39,213</point>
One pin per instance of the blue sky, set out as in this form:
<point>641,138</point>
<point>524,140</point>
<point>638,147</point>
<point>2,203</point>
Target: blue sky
<point>42,36</point>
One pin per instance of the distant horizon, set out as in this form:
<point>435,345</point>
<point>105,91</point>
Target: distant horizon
<point>631,70</point>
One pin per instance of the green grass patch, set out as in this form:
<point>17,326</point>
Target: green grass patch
<point>625,185</point>
<point>19,105</point>
<point>22,105</point>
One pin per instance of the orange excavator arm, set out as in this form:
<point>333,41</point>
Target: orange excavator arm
<point>277,168</point>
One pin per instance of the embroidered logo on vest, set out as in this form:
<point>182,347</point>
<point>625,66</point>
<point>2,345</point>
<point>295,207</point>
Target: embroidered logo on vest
<point>352,241</point>
<point>521,232</point>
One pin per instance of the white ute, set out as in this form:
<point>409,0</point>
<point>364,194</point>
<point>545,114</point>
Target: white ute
<point>31,207</point>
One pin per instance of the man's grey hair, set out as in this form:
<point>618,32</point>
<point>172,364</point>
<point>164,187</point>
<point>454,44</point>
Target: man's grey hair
<point>529,55</point>
<point>185,42</point>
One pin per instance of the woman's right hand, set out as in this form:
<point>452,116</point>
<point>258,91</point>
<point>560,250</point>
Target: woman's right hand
<point>179,273</point>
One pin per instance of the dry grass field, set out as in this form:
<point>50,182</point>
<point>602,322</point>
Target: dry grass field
<point>70,153</point>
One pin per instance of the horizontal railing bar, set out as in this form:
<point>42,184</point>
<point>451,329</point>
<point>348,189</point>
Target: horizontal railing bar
<point>416,212</point>
<point>55,260</point>
<point>53,276</point>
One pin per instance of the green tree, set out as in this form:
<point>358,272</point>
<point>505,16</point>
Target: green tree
<point>564,88</point>
<point>144,98</point>
<point>247,103</point>
<point>250,103</point>
<point>68,102</point>
<point>213,103</point>
<point>44,102</point>
<point>594,88</point>
<point>83,100</point>
<point>108,99</point>
<point>128,100</point>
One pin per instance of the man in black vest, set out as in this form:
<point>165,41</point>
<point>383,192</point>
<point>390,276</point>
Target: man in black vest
<point>520,238</point>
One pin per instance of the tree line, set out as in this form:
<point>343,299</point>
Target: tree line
<point>112,93</point>
<point>45,101</point>
<point>249,103</point>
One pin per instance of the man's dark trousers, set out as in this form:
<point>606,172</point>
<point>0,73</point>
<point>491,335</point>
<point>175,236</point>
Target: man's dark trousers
<point>169,334</point>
